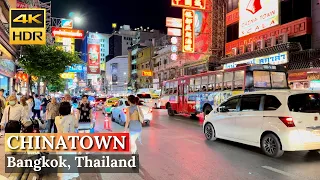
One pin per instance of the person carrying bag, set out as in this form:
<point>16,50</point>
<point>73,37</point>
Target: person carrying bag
<point>12,116</point>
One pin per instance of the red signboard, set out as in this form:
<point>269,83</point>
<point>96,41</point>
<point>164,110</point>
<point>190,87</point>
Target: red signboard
<point>93,65</point>
<point>297,76</point>
<point>232,17</point>
<point>67,33</point>
<point>294,29</point>
<point>188,17</point>
<point>193,4</point>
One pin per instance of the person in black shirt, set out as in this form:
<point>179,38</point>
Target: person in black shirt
<point>44,104</point>
<point>84,110</point>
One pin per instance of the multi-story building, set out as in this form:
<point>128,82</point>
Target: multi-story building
<point>8,54</point>
<point>275,32</point>
<point>116,75</point>
<point>144,69</point>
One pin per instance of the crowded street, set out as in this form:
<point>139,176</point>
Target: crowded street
<point>175,148</point>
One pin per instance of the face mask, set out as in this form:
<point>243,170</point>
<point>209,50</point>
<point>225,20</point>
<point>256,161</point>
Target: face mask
<point>12,103</point>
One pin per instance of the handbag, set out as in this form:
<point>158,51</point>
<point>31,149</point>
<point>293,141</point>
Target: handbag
<point>141,117</point>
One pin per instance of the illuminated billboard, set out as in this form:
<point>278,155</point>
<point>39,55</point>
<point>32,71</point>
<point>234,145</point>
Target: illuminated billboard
<point>67,33</point>
<point>147,73</point>
<point>67,23</point>
<point>174,32</point>
<point>174,22</point>
<point>61,40</point>
<point>93,66</point>
<point>188,17</point>
<point>193,4</point>
<point>257,15</point>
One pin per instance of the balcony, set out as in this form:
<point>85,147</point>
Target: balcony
<point>134,71</point>
<point>134,61</point>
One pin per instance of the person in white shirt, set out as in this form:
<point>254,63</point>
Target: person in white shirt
<point>66,122</point>
<point>12,116</point>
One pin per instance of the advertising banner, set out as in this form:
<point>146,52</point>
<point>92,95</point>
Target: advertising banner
<point>67,33</point>
<point>173,22</point>
<point>67,23</point>
<point>274,59</point>
<point>75,68</point>
<point>114,72</point>
<point>7,67</point>
<point>193,4</point>
<point>257,15</point>
<point>93,66</point>
<point>174,32</point>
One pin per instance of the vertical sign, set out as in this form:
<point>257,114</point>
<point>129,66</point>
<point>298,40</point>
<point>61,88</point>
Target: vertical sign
<point>188,17</point>
<point>93,59</point>
<point>114,73</point>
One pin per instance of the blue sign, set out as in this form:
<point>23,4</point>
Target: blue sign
<point>174,48</point>
<point>75,68</point>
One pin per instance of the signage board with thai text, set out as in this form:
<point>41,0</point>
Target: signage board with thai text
<point>274,59</point>
<point>192,4</point>
<point>147,73</point>
<point>173,22</point>
<point>188,17</point>
<point>75,68</point>
<point>297,76</point>
<point>67,33</point>
<point>257,15</point>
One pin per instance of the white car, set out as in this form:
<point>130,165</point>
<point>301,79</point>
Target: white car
<point>118,113</point>
<point>276,121</point>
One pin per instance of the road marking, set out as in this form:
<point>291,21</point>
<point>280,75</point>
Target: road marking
<point>280,172</point>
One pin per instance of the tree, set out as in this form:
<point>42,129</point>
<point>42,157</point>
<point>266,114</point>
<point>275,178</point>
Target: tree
<point>46,62</point>
<point>57,85</point>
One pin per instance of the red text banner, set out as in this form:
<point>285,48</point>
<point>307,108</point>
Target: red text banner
<point>93,65</point>
<point>188,17</point>
<point>72,142</point>
<point>67,33</point>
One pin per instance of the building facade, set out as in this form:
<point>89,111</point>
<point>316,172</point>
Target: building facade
<point>8,55</point>
<point>287,34</point>
<point>144,67</point>
<point>116,75</point>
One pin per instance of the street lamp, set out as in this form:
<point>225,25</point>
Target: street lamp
<point>77,19</point>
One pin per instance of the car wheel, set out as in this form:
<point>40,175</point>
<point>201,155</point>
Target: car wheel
<point>170,111</point>
<point>271,145</point>
<point>210,132</point>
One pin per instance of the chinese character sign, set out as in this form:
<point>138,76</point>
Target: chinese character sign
<point>193,4</point>
<point>188,30</point>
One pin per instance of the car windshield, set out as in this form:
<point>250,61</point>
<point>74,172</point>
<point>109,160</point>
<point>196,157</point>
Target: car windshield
<point>307,103</point>
<point>111,101</point>
<point>144,96</point>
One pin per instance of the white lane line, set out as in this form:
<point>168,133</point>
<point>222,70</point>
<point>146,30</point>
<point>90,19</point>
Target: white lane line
<point>280,172</point>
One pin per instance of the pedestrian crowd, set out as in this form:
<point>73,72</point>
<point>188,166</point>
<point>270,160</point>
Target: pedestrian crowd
<point>42,113</point>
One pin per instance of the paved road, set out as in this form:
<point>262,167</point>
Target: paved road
<point>175,148</point>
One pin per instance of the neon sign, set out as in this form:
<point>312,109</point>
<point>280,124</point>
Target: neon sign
<point>147,73</point>
<point>67,33</point>
<point>193,4</point>
<point>188,30</point>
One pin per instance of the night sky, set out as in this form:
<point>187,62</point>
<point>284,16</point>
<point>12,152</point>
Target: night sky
<point>100,14</point>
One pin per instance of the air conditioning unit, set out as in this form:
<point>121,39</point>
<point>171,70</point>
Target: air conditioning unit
<point>251,46</point>
<point>283,38</point>
<point>260,44</point>
<point>234,51</point>
<point>271,41</point>
<point>242,49</point>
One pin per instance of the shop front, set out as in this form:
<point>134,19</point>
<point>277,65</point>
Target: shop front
<point>7,72</point>
<point>304,79</point>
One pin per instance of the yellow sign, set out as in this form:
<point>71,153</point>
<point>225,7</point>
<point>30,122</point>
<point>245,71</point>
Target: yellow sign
<point>60,40</point>
<point>147,73</point>
<point>103,66</point>
<point>27,26</point>
<point>67,75</point>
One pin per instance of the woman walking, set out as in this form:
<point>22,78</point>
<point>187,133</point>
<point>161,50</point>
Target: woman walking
<point>66,123</point>
<point>12,116</point>
<point>134,119</point>
<point>51,114</point>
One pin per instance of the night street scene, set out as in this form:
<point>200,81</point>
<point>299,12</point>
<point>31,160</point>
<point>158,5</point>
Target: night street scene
<point>160,90</point>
